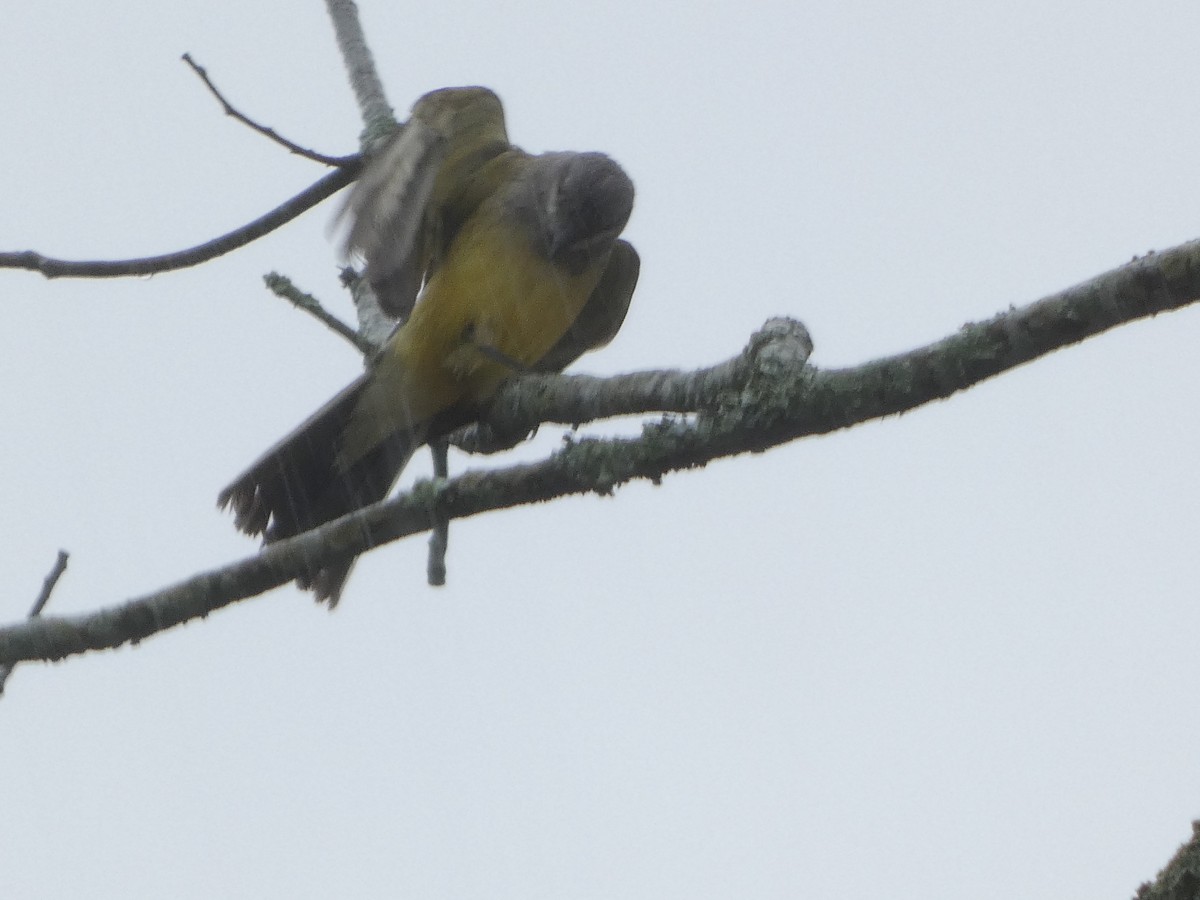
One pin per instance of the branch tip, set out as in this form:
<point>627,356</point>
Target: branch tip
<point>282,286</point>
<point>264,130</point>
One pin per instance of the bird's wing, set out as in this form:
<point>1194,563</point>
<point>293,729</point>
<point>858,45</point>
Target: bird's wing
<point>604,313</point>
<point>388,213</point>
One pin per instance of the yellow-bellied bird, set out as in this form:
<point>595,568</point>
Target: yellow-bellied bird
<point>522,270</point>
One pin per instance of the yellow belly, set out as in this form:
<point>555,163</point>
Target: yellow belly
<point>494,290</point>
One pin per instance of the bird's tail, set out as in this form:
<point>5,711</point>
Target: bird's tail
<point>298,484</point>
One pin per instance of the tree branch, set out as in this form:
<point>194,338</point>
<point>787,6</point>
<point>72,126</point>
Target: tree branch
<point>379,121</point>
<point>266,131</point>
<point>763,397</point>
<point>1180,878</point>
<point>374,324</point>
<point>151,265</point>
<point>377,115</point>
<point>835,399</point>
<point>282,286</point>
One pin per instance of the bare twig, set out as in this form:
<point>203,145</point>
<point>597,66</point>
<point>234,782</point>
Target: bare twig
<point>48,585</point>
<point>377,115</point>
<point>439,537</point>
<point>282,286</point>
<point>150,265</point>
<point>271,133</point>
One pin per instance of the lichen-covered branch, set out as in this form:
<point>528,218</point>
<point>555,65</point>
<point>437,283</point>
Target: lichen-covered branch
<point>282,286</point>
<point>378,118</point>
<point>1180,878</point>
<point>765,396</point>
<point>374,324</point>
<point>834,399</point>
<point>379,121</point>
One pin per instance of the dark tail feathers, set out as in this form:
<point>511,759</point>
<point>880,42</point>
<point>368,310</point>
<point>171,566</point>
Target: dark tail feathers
<point>296,485</point>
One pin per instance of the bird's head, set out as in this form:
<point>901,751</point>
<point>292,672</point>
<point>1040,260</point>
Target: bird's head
<point>580,202</point>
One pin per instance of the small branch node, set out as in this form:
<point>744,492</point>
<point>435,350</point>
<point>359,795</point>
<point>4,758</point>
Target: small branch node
<point>48,585</point>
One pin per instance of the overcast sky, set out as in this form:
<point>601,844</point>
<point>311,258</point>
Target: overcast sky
<point>948,653</point>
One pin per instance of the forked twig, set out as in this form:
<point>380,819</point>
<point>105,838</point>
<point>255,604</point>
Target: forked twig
<point>48,585</point>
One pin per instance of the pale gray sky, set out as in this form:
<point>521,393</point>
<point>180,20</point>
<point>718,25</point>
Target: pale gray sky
<point>942,654</point>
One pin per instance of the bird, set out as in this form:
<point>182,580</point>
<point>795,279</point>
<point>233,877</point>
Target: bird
<point>498,262</point>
